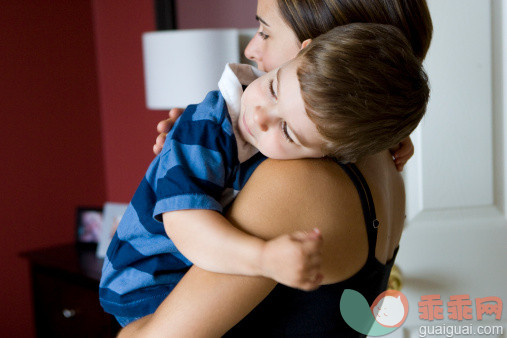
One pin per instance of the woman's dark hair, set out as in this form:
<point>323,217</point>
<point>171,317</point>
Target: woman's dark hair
<point>311,18</point>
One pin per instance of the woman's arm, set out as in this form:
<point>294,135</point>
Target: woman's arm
<point>203,304</point>
<point>280,197</point>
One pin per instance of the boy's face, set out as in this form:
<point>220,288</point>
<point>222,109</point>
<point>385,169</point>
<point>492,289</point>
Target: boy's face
<point>273,117</point>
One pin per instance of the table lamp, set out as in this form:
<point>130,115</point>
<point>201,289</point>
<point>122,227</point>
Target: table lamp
<point>182,66</point>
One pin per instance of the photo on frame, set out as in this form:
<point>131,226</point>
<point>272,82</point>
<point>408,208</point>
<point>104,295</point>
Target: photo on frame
<point>88,225</point>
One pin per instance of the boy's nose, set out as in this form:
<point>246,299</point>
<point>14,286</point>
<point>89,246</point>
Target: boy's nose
<point>262,118</point>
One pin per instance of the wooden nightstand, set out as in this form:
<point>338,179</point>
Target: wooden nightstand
<point>65,281</point>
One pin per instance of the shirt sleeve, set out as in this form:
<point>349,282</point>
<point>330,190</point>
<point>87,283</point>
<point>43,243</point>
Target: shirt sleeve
<point>197,161</point>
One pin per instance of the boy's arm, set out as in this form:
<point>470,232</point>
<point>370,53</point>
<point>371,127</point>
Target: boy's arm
<point>212,243</point>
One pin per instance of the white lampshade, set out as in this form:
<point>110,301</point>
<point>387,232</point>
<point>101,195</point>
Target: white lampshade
<point>182,66</point>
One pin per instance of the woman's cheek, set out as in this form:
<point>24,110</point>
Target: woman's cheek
<point>270,63</point>
<point>269,60</point>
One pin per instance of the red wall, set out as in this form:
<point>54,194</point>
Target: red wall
<point>51,147</point>
<point>73,125</point>
<point>128,127</point>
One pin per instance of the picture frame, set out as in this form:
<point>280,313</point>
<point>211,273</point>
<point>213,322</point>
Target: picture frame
<point>88,225</point>
<point>112,214</point>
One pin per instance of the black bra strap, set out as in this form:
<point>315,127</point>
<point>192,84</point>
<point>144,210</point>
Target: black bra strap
<point>366,198</point>
<point>369,197</point>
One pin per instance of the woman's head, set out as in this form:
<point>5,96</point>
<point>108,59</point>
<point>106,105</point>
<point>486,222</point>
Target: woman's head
<point>363,87</point>
<point>285,26</point>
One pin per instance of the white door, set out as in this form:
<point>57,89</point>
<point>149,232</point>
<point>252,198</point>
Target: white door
<point>455,241</point>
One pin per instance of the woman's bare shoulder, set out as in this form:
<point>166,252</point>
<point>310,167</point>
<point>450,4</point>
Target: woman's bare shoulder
<point>298,188</point>
<point>305,173</point>
<point>286,196</point>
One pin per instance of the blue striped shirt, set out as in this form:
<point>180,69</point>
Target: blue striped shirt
<point>198,168</point>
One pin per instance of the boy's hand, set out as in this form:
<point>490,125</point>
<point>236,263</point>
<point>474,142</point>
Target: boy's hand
<point>294,260</point>
<point>164,127</point>
<point>402,153</point>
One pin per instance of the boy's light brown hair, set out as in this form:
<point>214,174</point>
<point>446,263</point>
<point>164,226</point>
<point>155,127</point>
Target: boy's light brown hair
<point>363,88</point>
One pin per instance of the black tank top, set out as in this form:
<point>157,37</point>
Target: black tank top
<point>288,312</point>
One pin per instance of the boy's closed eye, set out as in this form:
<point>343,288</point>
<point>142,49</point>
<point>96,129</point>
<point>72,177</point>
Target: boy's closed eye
<point>272,89</point>
<point>283,126</point>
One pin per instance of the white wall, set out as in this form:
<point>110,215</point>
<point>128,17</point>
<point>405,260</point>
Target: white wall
<point>454,242</point>
<point>499,16</point>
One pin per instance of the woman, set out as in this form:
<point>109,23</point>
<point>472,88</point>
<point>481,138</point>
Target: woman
<point>360,241</point>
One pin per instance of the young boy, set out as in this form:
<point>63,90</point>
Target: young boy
<point>352,92</point>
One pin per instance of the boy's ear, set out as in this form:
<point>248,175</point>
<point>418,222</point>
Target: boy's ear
<point>305,43</point>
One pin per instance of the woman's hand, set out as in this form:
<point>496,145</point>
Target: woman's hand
<point>164,127</point>
<point>402,153</point>
<point>294,260</point>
